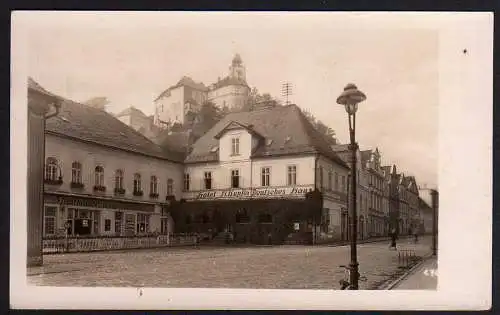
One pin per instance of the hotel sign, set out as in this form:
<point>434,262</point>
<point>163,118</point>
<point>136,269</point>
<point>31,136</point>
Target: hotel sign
<point>250,193</point>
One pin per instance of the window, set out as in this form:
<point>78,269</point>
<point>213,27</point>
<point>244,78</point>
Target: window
<point>142,223</point>
<point>99,176</point>
<point>235,178</point>
<point>336,181</point>
<point>321,178</point>
<point>118,179</point>
<point>265,218</point>
<point>51,169</point>
<point>265,175</point>
<point>118,222</point>
<point>76,173</point>
<point>343,184</point>
<point>242,216</point>
<point>49,221</point>
<point>107,225</point>
<point>170,187</point>
<point>325,220</point>
<point>137,182</point>
<point>208,180</point>
<point>329,183</point>
<point>153,185</point>
<point>235,146</point>
<point>292,175</point>
<point>186,182</point>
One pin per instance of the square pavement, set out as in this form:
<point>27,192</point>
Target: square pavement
<point>267,267</point>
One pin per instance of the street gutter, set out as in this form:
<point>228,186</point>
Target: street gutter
<point>391,284</point>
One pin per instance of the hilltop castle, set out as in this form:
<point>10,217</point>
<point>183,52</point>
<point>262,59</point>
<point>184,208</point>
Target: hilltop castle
<point>173,104</point>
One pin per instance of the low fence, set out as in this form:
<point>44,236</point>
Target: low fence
<point>59,245</point>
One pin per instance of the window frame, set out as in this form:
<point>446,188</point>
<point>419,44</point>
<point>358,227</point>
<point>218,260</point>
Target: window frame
<point>265,176</point>
<point>76,172</point>
<point>170,187</point>
<point>235,146</point>
<point>153,185</point>
<point>187,182</point>
<point>53,217</point>
<point>99,176</point>
<point>137,183</point>
<point>207,179</point>
<point>237,176</point>
<point>291,174</point>
<point>51,168</point>
<point>119,179</point>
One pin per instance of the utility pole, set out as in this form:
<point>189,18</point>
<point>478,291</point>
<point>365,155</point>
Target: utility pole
<point>286,91</point>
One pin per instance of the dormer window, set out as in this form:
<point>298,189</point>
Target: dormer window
<point>235,146</point>
<point>214,149</point>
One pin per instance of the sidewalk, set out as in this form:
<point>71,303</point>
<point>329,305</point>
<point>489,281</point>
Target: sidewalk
<point>424,277</point>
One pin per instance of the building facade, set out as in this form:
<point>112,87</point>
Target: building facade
<point>175,103</point>
<point>261,180</point>
<point>362,193</point>
<point>136,119</point>
<point>378,215</point>
<point>102,177</point>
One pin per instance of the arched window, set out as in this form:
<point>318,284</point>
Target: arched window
<point>170,187</point>
<point>51,169</point>
<point>99,176</point>
<point>119,179</point>
<point>153,186</point>
<point>137,182</point>
<point>76,172</point>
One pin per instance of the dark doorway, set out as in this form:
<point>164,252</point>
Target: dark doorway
<point>82,226</point>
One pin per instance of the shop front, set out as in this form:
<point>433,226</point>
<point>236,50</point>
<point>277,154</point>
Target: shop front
<point>85,216</point>
<point>257,216</point>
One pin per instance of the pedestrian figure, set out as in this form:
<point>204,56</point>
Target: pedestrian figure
<point>415,236</point>
<point>393,239</point>
<point>269,238</point>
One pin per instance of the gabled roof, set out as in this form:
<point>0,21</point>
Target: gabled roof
<point>233,125</point>
<point>34,86</point>
<point>131,111</point>
<point>86,123</point>
<point>365,156</point>
<point>287,129</point>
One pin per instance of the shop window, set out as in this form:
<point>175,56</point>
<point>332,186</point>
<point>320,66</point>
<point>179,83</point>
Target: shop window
<point>99,176</point>
<point>76,172</point>
<point>265,218</point>
<point>49,221</point>
<point>51,168</point>
<point>235,178</point>
<point>186,182</point>
<point>235,146</point>
<point>170,187</point>
<point>292,175</point>
<point>208,180</point>
<point>265,176</point>
<point>142,223</point>
<point>107,225</point>
<point>242,216</point>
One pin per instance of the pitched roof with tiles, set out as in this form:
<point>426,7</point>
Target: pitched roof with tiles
<point>94,125</point>
<point>285,129</point>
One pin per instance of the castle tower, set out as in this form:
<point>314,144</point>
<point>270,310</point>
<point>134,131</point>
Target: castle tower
<point>237,70</point>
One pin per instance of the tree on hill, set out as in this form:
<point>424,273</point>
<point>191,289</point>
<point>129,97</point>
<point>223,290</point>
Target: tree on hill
<point>255,98</point>
<point>321,127</point>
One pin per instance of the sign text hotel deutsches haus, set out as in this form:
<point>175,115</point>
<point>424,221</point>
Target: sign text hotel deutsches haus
<point>288,192</point>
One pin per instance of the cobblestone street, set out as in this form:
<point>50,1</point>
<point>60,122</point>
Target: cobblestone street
<point>283,267</point>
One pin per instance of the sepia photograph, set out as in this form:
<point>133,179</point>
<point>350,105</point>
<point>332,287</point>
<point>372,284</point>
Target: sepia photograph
<point>238,151</point>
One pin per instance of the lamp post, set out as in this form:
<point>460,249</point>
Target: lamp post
<point>350,99</point>
<point>434,202</point>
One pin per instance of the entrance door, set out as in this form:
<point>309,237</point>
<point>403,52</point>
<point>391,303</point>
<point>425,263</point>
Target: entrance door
<point>82,226</point>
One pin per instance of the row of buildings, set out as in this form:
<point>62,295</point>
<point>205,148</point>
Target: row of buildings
<point>263,176</point>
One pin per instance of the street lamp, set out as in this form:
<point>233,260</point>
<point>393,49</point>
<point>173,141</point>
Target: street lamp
<point>350,99</point>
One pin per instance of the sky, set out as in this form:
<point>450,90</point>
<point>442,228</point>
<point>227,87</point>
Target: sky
<point>130,58</point>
